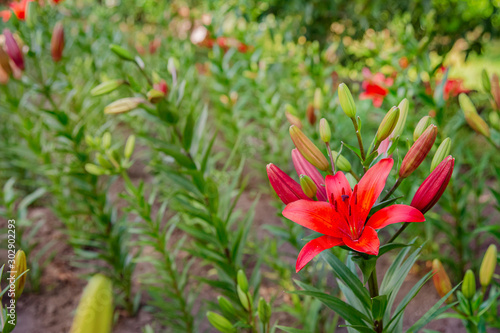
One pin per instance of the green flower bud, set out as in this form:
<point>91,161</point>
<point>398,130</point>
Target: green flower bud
<point>95,169</point>
<point>264,311</point>
<point>124,105</point>
<point>346,101</point>
<point>488,265</point>
<point>17,275</point>
<point>121,52</point>
<point>403,107</point>
<point>324,130</point>
<point>226,307</point>
<point>495,120</point>
<point>469,284</point>
<point>245,298</point>
<point>308,186</point>
<point>220,323</point>
<point>442,151</point>
<point>486,81</point>
<point>106,140</point>
<point>129,147</point>
<point>155,96</point>
<point>472,117</point>
<point>341,162</point>
<point>422,125</point>
<point>242,280</point>
<point>307,148</point>
<point>318,99</point>
<point>103,161</point>
<point>106,87</point>
<point>388,124</point>
<point>30,15</point>
<point>95,310</point>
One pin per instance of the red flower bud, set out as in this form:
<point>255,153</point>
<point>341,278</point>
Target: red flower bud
<point>441,280</point>
<point>311,114</point>
<point>433,186</point>
<point>418,152</point>
<point>57,42</point>
<point>161,86</point>
<point>287,189</point>
<point>13,50</point>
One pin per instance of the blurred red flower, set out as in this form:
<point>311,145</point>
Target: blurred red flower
<point>19,8</point>
<point>375,87</point>
<point>5,15</point>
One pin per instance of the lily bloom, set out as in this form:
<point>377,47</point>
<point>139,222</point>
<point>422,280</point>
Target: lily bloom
<point>19,8</point>
<point>5,15</point>
<point>343,219</point>
<point>375,87</point>
<point>453,88</point>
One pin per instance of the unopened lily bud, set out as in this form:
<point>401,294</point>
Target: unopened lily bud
<point>308,186</point>
<point>388,124</point>
<point>226,307</point>
<point>311,114</point>
<point>57,42</point>
<point>95,310</point>
<point>106,140</point>
<point>441,280</point>
<point>341,162</point>
<point>433,186</point>
<point>220,323</point>
<point>129,147</point>
<point>418,151</point>
<point>307,148</point>
<point>161,86</point>
<point>303,167</point>
<point>318,99</point>
<point>495,90</point>
<point>324,130</point>
<point>124,105</point>
<point>264,311</point>
<point>242,280</point>
<point>495,120</point>
<point>346,101</point>
<point>472,117</point>
<point>488,265</point>
<point>486,81</point>
<point>106,87</point>
<point>13,49</point>
<point>17,274</point>
<point>422,125</point>
<point>30,16</point>
<point>4,62</point>
<point>155,96</point>
<point>403,107</point>
<point>290,114</point>
<point>287,189</point>
<point>469,284</point>
<point>442,151</point>
<point>245,298</point>
<point>95,169</point>
<point>121,52</point>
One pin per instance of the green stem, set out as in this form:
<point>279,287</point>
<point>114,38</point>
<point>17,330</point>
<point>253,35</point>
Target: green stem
<point>378,326</point>
<point>354,175</point>
<point>393,238</point>
<point>391,191</point>
<point>360,140</point>
<point>329,150</point>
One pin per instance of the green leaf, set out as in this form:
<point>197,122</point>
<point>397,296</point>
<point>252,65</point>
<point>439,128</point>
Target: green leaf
<point>353,149</point>
<point>291,329</point>
<point>187,137</point>
<point>379,305</point>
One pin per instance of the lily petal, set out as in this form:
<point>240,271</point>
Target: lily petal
<point>394,214</point>
<point>315,215</point>
<point>314,247</point>
<point>368,242</point>
<point>370,187</point>
<point>287,189</point>
<point>336,187</point>
<point>303,167</point>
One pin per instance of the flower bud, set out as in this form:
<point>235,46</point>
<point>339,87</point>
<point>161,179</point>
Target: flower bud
<point>129,147</point>
<point>290,114</point>
<point>4,62</point>
<point>495,90</point>
<point>124,105</point>
<point>469,284</point>
<point>264,311</point>
<point>441,280</point>
<point>421,126</point>
<point>486,81</point>
<point>106,87</point>
<point>388,124</point>
<point>57,42</point>
<point>318,99</point>
<point>155,96</point>
<point>308,186</point>
<point>95,310</point>
<point>433,186</point>
<point>472,117</point>
<point>311,114</point>
<point>245,298</point>
<point>341,162</point>
<point>418,152</point>
<point>13,49</point>
<point>242,280</point>
<point>488,266</point>
<point>95,169</point>
<point>30,15</point>
<point>403,107</point>
<point>121,52</point>
<point>346,101</point>
<point>17,273</point>
<point>303,167</point>
<point>324,130</point>
<point>226,307</point>
<point>495,120</point>
<point>161,86</point>
<point>220,323</point>
<point>287,189</point>
<point>307,148</point>
<point>442,151</point>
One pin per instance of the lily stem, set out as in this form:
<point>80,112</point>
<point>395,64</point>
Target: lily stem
<point>373,286</point>
<point>330,155</point>
<point>391,191</point>
<point>354,175</point>
<point>393,238</point>
<point>360,140</point>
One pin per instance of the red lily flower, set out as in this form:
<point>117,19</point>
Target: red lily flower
<point>5,15</point>
<point>343,219</point>
<point>19,8</point>
<point>375,87</point>
<point>453,87</point>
